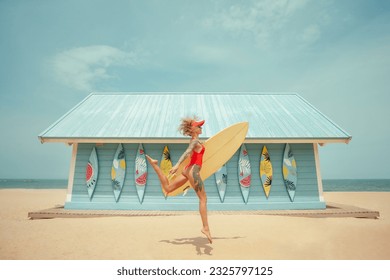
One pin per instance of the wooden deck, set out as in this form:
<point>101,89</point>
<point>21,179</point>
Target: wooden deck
<point>332,210</point>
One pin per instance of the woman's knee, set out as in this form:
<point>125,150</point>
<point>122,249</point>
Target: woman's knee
<point>198,182</point>
<point>202,197</point>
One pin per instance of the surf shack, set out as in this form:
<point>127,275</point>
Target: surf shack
<point>277,166</point>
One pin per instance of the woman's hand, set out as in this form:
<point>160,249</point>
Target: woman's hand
<point>173,170</point>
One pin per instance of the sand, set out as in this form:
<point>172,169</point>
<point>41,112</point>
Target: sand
<point>178,237</point>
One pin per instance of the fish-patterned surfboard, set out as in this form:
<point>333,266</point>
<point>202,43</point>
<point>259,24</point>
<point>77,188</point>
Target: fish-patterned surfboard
<point>166,165</point>
<point>266,171</point>
<point>91,173</point>
<point>118,171</point>
<point>141,173</point>
<point>244,172</point>
<point>221,181</point>
<point>290,172</point>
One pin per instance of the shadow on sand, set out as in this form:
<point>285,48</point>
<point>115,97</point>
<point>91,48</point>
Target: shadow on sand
<point>201,244</point>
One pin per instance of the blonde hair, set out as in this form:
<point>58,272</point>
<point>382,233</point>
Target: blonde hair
<point>185,127</point>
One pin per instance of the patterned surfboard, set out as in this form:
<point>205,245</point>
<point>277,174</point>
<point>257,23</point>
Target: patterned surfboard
<point>118,171</point>
<point>141,173</point>
<point>221,181</point>
<point>91,173</point>
<point>266,171</point>
<point>244,172</point>
<point>165,164</point>
<point>289,172</point>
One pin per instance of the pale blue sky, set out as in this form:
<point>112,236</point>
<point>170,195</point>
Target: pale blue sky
<point>336,54</point>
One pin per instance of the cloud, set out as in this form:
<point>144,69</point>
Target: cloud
<point>211,54</point>
<point>311,34</point>
<point>80,68</point>
<point>262,20</point>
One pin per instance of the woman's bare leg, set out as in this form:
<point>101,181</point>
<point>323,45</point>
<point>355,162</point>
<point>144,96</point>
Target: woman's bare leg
<point>168,187</point>
<point>197,184</point>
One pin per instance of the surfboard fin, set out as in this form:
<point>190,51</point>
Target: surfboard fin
<point>185,191</point>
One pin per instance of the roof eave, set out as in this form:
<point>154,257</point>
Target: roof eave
<point>320,141</point>
<point>149,140</point>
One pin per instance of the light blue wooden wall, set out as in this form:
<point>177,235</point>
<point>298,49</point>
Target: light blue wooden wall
<point>307,196</point>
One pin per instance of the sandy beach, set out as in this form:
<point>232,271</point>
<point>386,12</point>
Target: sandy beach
<point>179,237</point>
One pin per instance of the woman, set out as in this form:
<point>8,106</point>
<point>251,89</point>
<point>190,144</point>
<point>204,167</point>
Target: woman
<point>189,127</point>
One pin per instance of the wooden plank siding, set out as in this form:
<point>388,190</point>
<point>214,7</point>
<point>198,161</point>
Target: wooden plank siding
<point>307,193</point>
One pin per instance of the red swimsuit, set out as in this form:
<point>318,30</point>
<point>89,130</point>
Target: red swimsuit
<point>196,158</point>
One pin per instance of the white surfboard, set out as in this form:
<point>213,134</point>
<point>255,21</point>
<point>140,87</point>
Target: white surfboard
<point>290,172</point>
<point>91,173</point>
<point>244,173</point>
<point>118,171</point>
<point>141,173</point>
<point>221,181</point>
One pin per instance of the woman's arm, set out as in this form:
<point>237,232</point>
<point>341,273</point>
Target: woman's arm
<point>187,152</point>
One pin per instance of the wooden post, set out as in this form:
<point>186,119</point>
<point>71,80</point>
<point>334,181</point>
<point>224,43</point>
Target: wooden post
<point>318,171</point>
<point>71,173</point>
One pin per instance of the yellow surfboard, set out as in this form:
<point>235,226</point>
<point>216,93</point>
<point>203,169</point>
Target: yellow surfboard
<point>165,164</point>
<point>219,149</point>
<point>266,171</point>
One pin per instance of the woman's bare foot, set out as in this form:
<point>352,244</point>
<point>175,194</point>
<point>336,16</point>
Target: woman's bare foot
<point>208,235</point>
<point>151,161</point>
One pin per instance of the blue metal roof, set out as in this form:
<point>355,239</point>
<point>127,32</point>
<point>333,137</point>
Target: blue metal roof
<point>154,117</point>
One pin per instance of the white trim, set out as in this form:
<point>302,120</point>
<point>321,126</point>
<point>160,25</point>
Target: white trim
<point>318,171</point>
<point>71,173</point>
<point>296,140</point>
<point>185,140</point>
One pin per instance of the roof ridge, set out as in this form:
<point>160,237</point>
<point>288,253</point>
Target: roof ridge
<point>191,92</point>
